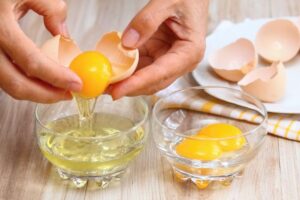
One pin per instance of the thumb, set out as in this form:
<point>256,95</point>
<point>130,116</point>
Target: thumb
<point>54,13</point>
<point>146,23</point>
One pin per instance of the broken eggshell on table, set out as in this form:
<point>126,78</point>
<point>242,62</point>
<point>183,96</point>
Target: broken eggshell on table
<point>231,63</point>
<point>266,83</point>
<point>123,61</point>
<point>277,41</point>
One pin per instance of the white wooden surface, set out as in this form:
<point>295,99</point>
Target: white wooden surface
<point>24,174</point>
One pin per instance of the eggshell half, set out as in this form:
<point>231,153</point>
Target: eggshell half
<point>278,40</point>
<point>235,60</point>
<point>266,83</point>
<point>124,61</point>
<point>298,23</point>
<point>61,49</point>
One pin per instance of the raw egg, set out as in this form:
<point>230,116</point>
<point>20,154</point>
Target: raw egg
<point>95,71</point>
<point>202,184</point>
<point>109,63</point>
<point>208,144</point>
<point>278,40</point>
<point>223,130</point>
<point>200,148</point>
<point>235,60</point>
<point>266,83</point>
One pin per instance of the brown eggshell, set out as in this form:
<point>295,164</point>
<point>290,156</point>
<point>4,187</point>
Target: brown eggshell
<point>124,61</point>
<point>61,49</point>
<point>278,40</point>
<point>235,60</point>
<point>266,83</point>
<point>298,23</point>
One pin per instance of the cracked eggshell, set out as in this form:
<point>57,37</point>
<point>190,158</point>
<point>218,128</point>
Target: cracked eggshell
<point>235,60</point>
<point>278,40</point>
<point>61,49</point>
<point>266,83</point>
<point>298,23</point>
<point>124,61</point>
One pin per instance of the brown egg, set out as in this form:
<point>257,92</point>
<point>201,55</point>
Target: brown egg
<point>278,40</point>
<point>266,83</point>
<point>123,61</point>
<point>235,60</point>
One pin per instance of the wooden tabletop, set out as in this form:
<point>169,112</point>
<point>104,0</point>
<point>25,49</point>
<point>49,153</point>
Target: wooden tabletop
<point>24,174</point>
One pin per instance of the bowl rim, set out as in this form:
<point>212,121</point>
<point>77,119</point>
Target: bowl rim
<point>203,88</point>
<point>132,129</point>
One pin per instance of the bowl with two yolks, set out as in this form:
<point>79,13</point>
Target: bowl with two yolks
<point>207,140</point>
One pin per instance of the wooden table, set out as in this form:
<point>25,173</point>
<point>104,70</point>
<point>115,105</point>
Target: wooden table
<point>24,174</point>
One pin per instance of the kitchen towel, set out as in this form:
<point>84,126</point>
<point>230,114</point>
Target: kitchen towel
<point>282,125</point>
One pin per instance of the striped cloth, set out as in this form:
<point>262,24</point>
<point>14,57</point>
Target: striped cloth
<point>282,125</point>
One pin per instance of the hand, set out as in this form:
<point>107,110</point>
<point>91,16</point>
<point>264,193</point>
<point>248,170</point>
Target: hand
<point>170,35</point>
<point>26,73</point>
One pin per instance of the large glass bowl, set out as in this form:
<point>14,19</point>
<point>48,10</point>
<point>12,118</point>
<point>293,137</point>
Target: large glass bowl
<point>120,129</point>
<point>178,118</point>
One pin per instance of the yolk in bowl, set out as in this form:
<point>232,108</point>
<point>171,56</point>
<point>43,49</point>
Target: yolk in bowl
<point>95,71</point>
<point>199,149</point>
<point>204,147</point>
<point>222,130</point>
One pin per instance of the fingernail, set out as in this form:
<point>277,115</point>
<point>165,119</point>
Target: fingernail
<point>75,83</point>
<point>75,87</point>
<point>68,96</point>
<point>75,77</point>
<point>115,98</point>
<point>108,89</point>
<point>118,94</point>
<point>130,38</point>
<point>64,30</point>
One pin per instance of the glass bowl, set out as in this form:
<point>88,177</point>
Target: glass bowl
<point>120,129</point>
<point>203,155</point>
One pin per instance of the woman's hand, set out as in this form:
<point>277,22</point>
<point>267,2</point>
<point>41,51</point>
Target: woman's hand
<point>26,73</point>
<point>170,35</point>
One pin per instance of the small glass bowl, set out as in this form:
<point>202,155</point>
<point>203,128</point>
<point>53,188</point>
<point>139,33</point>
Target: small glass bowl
<point>178,117</point>
<point>120,131</point>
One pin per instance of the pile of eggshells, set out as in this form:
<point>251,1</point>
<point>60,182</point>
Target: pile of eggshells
<point>276,42</point>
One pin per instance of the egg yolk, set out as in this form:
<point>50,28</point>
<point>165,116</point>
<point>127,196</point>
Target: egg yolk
<point>199,149</point>
<point>222,130</point>
<point>95,71</point>
<point>204,148</point>
<point>201,184</point>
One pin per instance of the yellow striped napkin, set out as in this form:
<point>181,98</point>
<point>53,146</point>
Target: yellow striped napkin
<point>283,125</point>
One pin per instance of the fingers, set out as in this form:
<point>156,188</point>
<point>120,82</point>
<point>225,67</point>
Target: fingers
<point>149,90</point>
<point>23,52</point>
<point>190,20</point>
<point>172,34</point>
<point>141,83</point>
<point>21,87</point>
<point>146,23</point>
<point>181,58</point>
<point>54,12</point>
